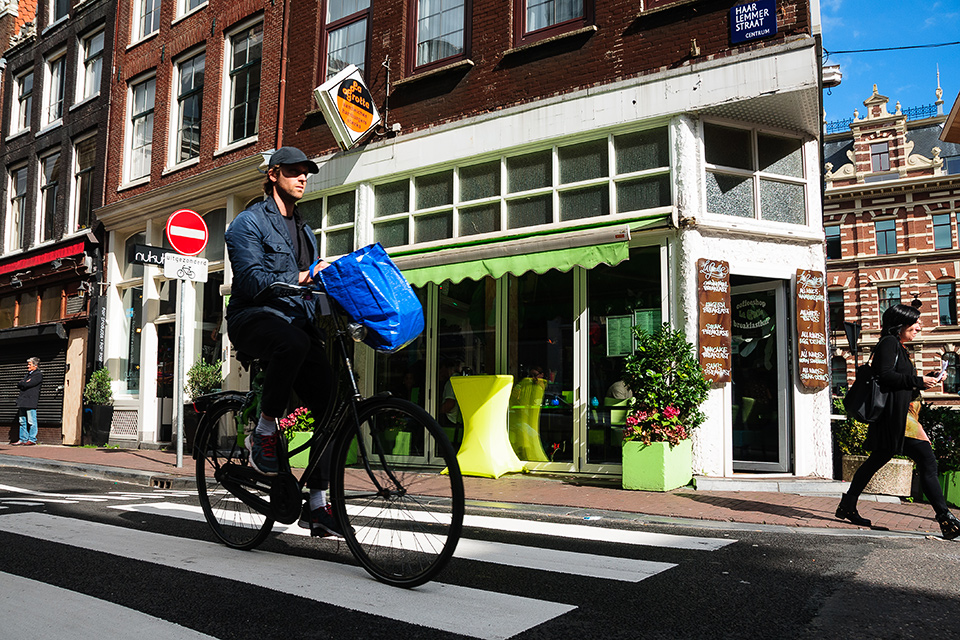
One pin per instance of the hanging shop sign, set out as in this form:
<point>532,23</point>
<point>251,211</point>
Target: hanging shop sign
<point>145,254</point>
<point>812,330</point>
<point>753,21</point>
<point>713,302</point>
<point>348,107</point>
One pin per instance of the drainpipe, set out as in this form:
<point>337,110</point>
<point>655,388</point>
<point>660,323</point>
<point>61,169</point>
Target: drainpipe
<point>281,101</point>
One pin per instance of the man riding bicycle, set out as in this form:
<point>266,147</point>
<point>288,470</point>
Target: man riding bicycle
<point>269,242</point>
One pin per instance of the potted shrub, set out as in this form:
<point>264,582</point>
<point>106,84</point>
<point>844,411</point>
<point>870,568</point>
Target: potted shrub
<point>894,478</point>
<point>98,396</point>
<point>668,388</point>
<point>942,424</point>
<point>202,378</point>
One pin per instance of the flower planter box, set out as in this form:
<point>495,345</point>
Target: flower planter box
<point>657,466</point>
<point>950,483</point>
<point>301,460</point>
<point>893,479</point>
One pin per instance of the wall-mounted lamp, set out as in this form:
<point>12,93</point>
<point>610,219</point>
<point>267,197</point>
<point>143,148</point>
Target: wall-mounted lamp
<point>15,282</point>
<point>56,263</point>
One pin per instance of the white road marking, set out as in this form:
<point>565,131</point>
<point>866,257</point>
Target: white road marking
<point>472,612</point>
<point>31,609</point>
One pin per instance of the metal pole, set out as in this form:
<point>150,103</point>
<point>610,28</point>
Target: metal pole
<point>179,381</point>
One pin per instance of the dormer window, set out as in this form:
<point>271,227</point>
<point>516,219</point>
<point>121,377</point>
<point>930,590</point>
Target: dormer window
<point>880,157</point>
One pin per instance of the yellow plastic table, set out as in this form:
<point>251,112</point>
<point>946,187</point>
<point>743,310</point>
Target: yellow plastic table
<point>486,450</point>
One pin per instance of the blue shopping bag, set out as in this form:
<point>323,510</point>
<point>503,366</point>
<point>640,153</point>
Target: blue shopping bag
<point>370,288</point>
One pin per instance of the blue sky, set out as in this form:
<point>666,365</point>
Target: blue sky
<point>908,76</point>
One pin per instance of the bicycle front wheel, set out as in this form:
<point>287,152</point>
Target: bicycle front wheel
<point>221,459</point>
<point>402,524</point>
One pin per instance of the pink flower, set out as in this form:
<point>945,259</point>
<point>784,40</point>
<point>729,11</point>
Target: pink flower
<point>670,413</point>
<point>632,420</point>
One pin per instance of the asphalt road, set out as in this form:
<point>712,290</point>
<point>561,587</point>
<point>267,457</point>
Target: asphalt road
<point>84,558</point>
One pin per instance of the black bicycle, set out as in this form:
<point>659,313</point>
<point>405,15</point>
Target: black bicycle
<point>402,523</point>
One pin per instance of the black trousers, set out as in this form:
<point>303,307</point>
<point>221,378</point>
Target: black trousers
<point>921,453</point>
<point>294,359</point>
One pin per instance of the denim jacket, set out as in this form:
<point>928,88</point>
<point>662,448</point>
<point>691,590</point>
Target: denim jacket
<point>262,253</point>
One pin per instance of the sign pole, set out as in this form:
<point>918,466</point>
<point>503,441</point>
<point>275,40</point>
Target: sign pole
<point>180,378</point>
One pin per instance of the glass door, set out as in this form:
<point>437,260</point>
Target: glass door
<point>760,378</point>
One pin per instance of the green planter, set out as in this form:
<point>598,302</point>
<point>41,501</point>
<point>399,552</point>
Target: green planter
<point>950,483</point>
<point>301,460</point>
<point>657,467</point>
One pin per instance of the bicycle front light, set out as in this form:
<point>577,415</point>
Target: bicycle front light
<point>357,331</point>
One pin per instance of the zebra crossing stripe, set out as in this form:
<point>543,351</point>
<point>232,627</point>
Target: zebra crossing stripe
<point>77,616</point>
<point>471,612</point>
<point>568,562</point>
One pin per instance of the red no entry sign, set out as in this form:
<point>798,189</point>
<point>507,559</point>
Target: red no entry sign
<point>187,232</point>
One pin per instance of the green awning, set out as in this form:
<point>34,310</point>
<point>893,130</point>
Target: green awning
<point>560,259</point>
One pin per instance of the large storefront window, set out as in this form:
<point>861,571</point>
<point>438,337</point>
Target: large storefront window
<point>620,297</point>
<point>540,357</point>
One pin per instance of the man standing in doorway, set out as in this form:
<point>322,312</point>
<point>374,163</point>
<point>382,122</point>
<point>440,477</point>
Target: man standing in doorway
<point>27,402</point>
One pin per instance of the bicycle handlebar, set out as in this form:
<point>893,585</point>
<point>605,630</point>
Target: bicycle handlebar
<point>287,290</point>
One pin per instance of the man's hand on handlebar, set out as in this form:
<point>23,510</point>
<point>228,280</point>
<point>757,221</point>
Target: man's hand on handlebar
<point>310,275</point>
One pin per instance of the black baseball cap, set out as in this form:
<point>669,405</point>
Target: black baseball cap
<point>291,155</point>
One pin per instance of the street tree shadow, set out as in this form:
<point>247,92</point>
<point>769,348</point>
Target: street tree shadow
<point>755,506</point>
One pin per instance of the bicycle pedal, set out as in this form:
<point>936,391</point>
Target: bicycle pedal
<point>285,498</point>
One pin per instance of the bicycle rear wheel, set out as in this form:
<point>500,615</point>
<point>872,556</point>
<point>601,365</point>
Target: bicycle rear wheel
<point>219,456</point>
<point>402,524</point>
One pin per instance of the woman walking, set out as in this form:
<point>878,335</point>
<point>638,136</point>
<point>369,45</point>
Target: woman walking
<point>894,433</point>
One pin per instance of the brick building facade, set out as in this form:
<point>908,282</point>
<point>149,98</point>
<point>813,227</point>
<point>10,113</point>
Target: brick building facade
<point>891,204</point>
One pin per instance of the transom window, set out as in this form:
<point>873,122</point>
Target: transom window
<point>440,30</point>
<point>24,101</point>
<point>189,101</point>
<point>92,65</point>
<point>346,33</point>
<point>18,209</point>
<point>246,48</point>
<point>886,232</point>
<point>614,175</point>
<point>332,219</point>
<point>143,95</point>
<point>54,87</point>
<point>751,174</point>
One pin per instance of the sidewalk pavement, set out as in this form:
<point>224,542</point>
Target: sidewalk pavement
<point>570,495</point>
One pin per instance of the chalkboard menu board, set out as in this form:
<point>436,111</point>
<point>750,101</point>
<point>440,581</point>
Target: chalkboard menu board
<point>812,330</point>
<point>713,302</point>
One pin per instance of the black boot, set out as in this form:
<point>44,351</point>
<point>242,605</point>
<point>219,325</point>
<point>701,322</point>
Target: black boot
<point>949,525</point>
<point>847,510</point>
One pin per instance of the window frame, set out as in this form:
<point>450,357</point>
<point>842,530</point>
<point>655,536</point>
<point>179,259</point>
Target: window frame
<point>522,36</point>
<point>184,8</point>
<point>140,17</point>
<point>53,6</point>
<point>344,22</point>
<point>886,236</point>
<point>51,102</point>
<point>132,119</point>
<point>947,297</point>
<point>16,225</point>
<point>227,139</point>
<point>879,157</point>
<point>413,42</point>
<point>45,229</point>
<point>884,302</point>
<point>757,175</point>
<point>939,221</point>
<point>84,61</point>
<point>835,310</point>
<point>83,177</point>
<point>176,129</point>
<point>833,238</point>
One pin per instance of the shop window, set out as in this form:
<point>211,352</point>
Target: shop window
<point>8,310</point>
<point>17,210</point>
<point>85,158</point>
<point>216,227</point>
<point>91,65</point>
<point>128,268</point>
<point>643,168</point>
<point>942,231</point>
<point>332,219</point>
<point>50,304</point>
<point>621,297</point>
<point>888,296</point>
<point>754,175</point>
<point>531,175</point>
<point>391,199</point>
<point>584,163</point>
<point>245,48</point>
<point>433,219</point>
<point>140,146</point>
<point>441,31</point>
<point>947,304</point>
<point>27,313</point>
<point>832,233</point>
<point>131,328</point>
<point>838,374</point>
<point>540,358</point>
<point>346,32</point>
<point>211,320</point>
<point>880,157</point>
<point>886,232</point>
<point>479,195</point>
